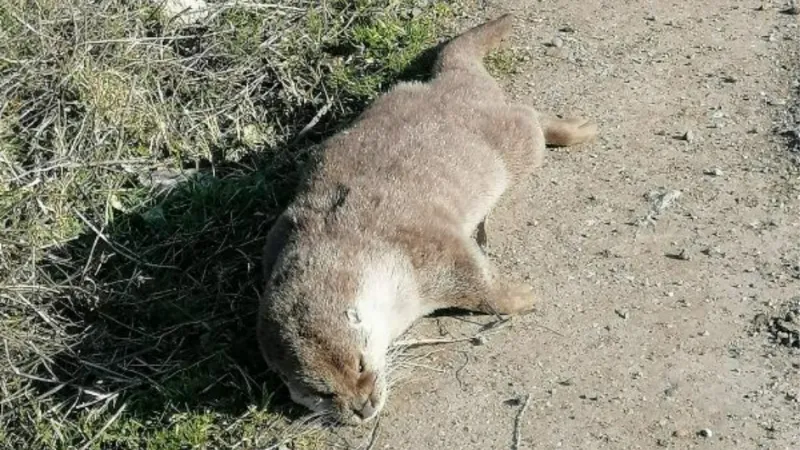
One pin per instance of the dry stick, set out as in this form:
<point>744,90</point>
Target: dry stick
<point>545,327</point>
<point>373,436</point>
<point>496,325</point>
<point>421,342</point>
<point>80,165</point>
<point>518,423</point>
<point>314,121</point>
<point>463,366</point>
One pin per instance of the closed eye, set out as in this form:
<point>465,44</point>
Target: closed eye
<point>323,395</point>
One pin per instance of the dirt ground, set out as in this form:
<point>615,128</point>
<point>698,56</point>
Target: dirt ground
<point>665,254</point>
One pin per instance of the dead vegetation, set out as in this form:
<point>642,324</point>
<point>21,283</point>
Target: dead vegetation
<point>141,161</point>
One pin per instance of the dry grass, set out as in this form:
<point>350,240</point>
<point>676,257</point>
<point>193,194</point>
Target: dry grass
<point>140,166</point>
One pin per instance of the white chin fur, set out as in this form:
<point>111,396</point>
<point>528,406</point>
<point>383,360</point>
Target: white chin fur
<point>318,405</point>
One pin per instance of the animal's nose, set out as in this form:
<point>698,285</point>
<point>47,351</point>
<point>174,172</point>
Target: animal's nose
<point>366,410</point>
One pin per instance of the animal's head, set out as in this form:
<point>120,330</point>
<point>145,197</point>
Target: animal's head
<point>319,329</point>
<point>325,362</point>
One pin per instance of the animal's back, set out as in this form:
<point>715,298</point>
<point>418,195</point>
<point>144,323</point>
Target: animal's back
<point>419,149</point>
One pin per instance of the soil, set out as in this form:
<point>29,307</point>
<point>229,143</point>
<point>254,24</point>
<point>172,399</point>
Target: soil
<point>666,254</point>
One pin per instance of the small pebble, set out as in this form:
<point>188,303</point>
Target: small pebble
<point>688,136</point>
<point>479,340</point>
<point>557,42</point>
<point>680,434</point>
<point>716,172</point>
<point>714,251</point>
<point>705,432</point>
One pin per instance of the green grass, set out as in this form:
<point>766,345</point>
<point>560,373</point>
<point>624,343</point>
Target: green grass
<point>141,164</point>
<point>504,63</point>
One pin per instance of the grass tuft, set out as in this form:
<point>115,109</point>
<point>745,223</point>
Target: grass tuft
<point>141,163</point>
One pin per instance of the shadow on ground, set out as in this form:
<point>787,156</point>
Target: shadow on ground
<point>165,298</point>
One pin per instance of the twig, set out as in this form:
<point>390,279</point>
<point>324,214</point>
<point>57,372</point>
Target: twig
<point>105,427</point>
<point>545,327</point>
<point>492,326</point>
<point>80,165</point>
<point>421,342</point>
<point>518,422</point>
<point>314,121</point>
<point>255,5</point>
<point>458,371</point>
<point>423,366</point>
<point>373,436</point>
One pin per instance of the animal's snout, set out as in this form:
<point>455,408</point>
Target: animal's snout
<point>367,409</point>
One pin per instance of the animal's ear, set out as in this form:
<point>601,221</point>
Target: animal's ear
<point>277,238</point>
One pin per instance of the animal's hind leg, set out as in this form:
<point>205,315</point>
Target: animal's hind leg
<point>567,132</point>
<point>475,284</point>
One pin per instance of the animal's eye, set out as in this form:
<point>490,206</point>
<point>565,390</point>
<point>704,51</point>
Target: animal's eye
<point>324,395</point>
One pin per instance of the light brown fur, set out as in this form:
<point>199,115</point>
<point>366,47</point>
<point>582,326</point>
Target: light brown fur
<point>380,233</point>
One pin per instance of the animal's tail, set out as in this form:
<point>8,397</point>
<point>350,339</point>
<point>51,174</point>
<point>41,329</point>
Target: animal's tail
<point>466,51</point>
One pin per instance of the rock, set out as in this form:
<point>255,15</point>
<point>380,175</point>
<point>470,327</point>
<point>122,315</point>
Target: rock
<point>557,42</point>
<point>661,200</point>
<point>788,327</point>
<point>688,136</point>
<point>714,251</point>
<point>680,434</point>
<point>705,432</point>
<point>479,340</point>
<point>715,171</point>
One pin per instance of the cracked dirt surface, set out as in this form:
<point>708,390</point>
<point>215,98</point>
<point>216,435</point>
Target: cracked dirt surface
<point>644,336</point>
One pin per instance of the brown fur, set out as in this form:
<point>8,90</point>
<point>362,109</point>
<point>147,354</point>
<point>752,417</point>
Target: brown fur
<point>397,196</point>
